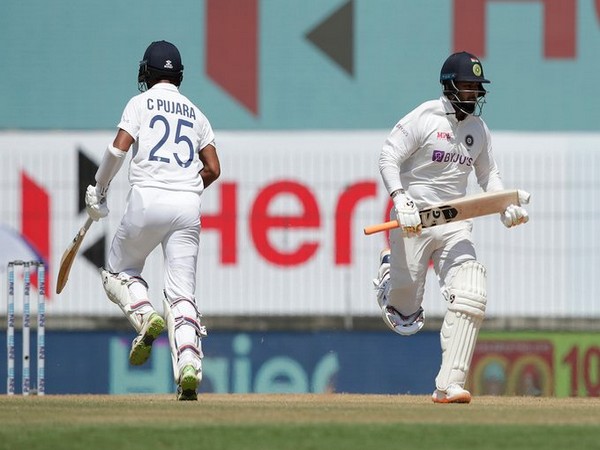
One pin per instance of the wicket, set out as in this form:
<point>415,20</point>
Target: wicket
<point>28,267</point>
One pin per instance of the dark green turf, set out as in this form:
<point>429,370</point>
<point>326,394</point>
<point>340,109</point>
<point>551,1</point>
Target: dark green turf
<point>301,437</point>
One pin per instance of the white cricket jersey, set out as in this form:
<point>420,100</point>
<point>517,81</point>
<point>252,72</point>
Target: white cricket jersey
<point>430,154</point>
<point>169,131</point>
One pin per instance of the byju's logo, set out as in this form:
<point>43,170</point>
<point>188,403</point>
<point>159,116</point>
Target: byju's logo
<point>438,155</point>
<point>446,157</point>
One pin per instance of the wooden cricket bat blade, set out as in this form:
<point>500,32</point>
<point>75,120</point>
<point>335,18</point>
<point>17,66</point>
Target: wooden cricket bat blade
<point>467,207</point>
<point>69,256</point>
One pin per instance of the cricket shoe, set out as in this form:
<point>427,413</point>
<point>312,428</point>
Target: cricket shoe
<point>142,344</point>
<point>188,383</point>
<point>453,394</point>
<point>382,282</point>
<point>401,324</point>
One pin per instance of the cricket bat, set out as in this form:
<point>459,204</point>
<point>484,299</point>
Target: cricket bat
<point>69,256</point>
<point>463,208</point>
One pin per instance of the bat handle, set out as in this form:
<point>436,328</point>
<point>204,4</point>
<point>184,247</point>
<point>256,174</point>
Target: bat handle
<point>381,227</point>
<point>88,223</point>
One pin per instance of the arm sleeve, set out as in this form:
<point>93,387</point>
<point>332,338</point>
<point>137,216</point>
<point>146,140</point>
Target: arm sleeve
<point>486,169</point>
<point>205,132</point>
<point>111,163</point>
<point>400,145</point>
<point>208,137</point>
<point>131,120</point>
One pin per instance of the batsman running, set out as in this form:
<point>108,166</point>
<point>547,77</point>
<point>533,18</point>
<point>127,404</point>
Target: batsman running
<point>174,159</point>
<point>427,160</point>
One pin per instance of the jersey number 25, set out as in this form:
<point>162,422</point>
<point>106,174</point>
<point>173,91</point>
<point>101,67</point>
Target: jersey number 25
<point>155,155</point>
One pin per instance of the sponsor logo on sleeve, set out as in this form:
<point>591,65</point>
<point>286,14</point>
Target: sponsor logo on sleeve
<point>402,129</point>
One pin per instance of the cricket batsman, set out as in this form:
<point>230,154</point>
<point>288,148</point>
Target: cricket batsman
<point>174,159</point>
<point>427,160</point>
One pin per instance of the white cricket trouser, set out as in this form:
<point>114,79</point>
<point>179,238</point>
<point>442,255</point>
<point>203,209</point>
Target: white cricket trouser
<point>447,246</point>
<point>156,216</point>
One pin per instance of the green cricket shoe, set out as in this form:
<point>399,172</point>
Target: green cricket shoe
<point>142,344</point>
<point>188,384</point>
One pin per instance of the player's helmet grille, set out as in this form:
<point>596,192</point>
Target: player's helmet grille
<point>161,61</point>
<point>463,67</point>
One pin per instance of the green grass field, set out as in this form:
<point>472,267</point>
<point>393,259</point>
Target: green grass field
<point>305,421</point>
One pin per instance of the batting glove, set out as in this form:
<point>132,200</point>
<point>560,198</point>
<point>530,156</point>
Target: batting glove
<point>95,203</point>
<point>514,215</point>
<point>407,215</point>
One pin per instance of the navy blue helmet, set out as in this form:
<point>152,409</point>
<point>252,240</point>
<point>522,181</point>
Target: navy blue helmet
<point>463,67</point>
<point>161,61</point>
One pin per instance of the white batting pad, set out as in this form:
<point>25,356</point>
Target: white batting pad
<point>185,334</point>
<point>468,298</point>
<point>130,293</point>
